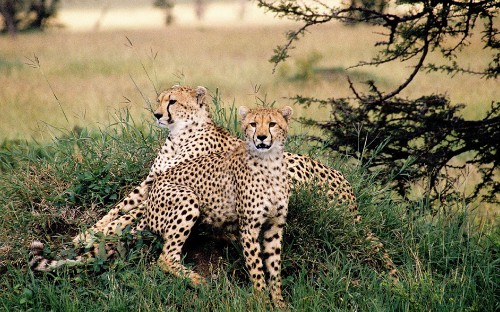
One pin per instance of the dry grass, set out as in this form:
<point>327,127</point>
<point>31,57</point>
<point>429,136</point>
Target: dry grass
<point>91,73</point>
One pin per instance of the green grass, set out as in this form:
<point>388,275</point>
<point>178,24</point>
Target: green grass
<point>51,190</point>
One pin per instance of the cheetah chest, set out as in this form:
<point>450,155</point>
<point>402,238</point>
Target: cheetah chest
<point>263,190</point>
<point>217,201</point>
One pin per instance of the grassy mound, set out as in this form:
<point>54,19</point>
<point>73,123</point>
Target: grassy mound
<point>50,191</point>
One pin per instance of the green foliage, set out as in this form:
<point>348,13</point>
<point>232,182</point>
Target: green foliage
<point>53,190</point>
<point>163,4</point>
<point>96,165</point>
<point>305,68</point>
<point>429,130</point>
<point>225,117</point>
<point>9,66</point>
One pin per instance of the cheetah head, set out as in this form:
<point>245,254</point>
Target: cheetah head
<point>180,106</point>
<point>265,129</point>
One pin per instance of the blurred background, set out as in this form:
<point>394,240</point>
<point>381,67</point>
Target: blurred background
<point>131,14</point>
<point>95,57</point>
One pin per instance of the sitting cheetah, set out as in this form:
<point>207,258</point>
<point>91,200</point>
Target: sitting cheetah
<point>192,133</point>
<point>245,189</point>
<point>184,111</point>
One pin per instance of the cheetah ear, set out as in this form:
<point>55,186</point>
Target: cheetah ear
<point>243,111</point>
<point>160,96</point>
<point>201,92</point>
<point>286,112</point>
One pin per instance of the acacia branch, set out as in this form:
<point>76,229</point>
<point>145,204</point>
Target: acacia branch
<point>401,87</point>
<point>409,35</point>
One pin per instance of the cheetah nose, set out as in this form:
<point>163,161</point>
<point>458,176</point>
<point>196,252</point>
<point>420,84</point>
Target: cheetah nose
<point>158,115</point>
<point>262,137</point>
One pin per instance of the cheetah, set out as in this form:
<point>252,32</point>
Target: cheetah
<point>244,190</point>
<point>193,133</point>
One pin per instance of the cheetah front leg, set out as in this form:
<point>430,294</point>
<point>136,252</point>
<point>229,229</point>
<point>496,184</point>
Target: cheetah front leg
<point>173,220</point>
<point>252,253</point>
<point>273,238</point>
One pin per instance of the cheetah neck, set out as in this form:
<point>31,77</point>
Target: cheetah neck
<point>273,155</point>
<point>186,128</point>
<point>271,161</point>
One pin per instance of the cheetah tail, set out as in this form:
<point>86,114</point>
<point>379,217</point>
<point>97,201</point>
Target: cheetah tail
<point>386,258</point>
<point>37,262</point>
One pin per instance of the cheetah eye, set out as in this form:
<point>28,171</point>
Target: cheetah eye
<point>253,124</point>
<point>171,102</point>
<point>272,124</point>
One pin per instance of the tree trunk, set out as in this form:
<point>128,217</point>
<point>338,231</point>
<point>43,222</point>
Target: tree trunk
<point>8,12</point>
<point>40,10</point>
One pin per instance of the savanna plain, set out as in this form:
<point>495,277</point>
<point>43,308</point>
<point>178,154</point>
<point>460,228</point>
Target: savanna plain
<point>77,134</point>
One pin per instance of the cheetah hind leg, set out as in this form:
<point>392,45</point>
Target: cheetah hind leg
<point>128,206</point>
<point>132,219</point>
<point>175,230</point>
<point>115,231</point>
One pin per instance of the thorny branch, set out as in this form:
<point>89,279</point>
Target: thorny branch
<point>420,29</point>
